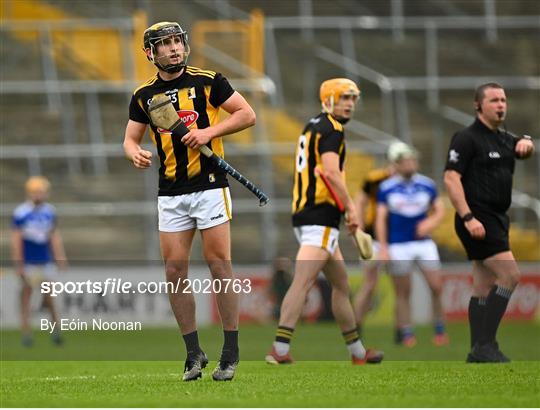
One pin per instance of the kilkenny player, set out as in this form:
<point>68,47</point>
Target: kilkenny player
<point>316,220</point>
<point>193,192</point>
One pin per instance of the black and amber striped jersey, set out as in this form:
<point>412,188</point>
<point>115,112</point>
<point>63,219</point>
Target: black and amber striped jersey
<point>370,188</point>
<point>312,203</point>
<point>196,96</point>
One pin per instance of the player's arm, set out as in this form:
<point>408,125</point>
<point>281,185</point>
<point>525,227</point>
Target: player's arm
<point>330,164</point>
<point>454,187</point>
<point>433,220</point>
<point>381,230</point>
<point>241,117</point>
<point>361,202</point>
<point>17,251</point>
<point>57,248</point>
<point>132,145</point>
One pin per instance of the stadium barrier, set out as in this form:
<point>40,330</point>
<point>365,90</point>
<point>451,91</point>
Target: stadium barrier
<point>150,305</point>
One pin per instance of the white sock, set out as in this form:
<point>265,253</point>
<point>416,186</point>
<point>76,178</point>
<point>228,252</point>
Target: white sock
<point>357,349</point>
<point>282,348</point>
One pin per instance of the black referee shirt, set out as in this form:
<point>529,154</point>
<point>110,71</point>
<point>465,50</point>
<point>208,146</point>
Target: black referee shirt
<point>486,160</point>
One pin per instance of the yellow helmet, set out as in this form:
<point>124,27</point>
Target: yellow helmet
<point>37,183</point>
<point>331,91</point>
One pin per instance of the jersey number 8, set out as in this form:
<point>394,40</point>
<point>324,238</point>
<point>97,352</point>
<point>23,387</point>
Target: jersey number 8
<point>301,157</point>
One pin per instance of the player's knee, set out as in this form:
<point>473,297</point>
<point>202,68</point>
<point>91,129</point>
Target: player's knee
<point>215,251</point>
<point>303,282</point>
<point>403,292</point>
<point>341,293</point>
<point>220,269</point>
<point>513,279</point>
<point>174,272</point>
<point>436,289</point>
<point>371,283</point>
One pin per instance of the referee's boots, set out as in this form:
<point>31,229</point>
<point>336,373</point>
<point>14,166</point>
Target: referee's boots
<point>487,353</point>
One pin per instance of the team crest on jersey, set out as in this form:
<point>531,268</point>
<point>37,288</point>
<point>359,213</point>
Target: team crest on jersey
<point>188,117</point>
<point>191,93</point>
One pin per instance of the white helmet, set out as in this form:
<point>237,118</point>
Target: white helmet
<point>399,150</point>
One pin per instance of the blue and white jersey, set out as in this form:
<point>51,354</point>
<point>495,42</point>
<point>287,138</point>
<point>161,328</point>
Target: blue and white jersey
<point>36,224</point>
<point>408,203</point>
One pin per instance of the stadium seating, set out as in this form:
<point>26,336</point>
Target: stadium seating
<point>81,55</point>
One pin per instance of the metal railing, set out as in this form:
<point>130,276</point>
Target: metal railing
<point>394,121</point>
<point>394,125</point>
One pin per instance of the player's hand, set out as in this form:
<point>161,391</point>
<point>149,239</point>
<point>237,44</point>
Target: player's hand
<point>383,255</point>
<point>142,159</point>
<point>476,229</point>
<point>524,148</point>
<point>19,270</point>
<point>351,221</point>
<point>196,138</point>
<point>424,228</point>
<point>62,264</point>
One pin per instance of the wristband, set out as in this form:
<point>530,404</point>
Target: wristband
<point>467,217</point>
<point>526,137</point>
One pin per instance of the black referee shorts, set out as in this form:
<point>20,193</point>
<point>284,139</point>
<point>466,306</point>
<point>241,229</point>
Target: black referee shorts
<point>496,240</point>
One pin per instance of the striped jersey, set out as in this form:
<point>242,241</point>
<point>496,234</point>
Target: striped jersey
<point>312,202</point>
<point>196,95</point>
<point>371,187</point>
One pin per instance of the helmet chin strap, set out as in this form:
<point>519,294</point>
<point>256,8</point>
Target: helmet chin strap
<point>330,110</point>
<point>171,68</point>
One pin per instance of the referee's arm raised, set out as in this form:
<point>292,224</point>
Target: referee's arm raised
<point>454,187</point>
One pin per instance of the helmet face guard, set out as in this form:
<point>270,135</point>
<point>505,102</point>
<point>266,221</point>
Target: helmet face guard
<point>332,90</point>
<point>163,34</point>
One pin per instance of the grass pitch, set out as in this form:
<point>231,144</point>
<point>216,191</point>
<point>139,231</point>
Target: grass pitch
<point>425,376</point>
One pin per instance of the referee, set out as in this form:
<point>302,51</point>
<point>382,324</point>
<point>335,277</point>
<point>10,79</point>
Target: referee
<point>478,178</point>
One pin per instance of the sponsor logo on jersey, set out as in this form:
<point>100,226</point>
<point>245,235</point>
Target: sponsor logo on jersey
<point>188,117</point>
<point>494,155</point>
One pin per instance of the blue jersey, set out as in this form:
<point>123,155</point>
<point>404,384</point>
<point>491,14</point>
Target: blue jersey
<point>36,224</point>
<point>408,202</point>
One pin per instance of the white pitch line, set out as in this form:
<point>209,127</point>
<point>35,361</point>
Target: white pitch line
<point>93,377</point>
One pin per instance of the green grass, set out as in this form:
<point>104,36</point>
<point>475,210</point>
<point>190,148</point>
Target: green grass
<point>305,384</point>
<point>144,369</point>
<point>520,341</point>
